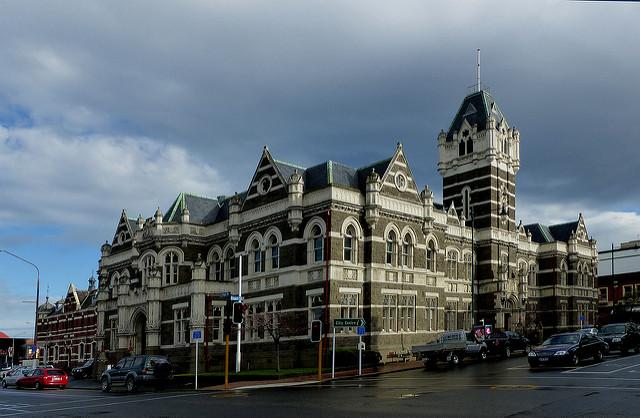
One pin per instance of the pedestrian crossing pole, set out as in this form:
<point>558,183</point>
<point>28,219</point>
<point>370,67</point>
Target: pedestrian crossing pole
<point>226,363</point>
<point>320,360</point>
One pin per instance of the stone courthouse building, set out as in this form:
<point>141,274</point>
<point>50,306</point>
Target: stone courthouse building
<point>331,241</point>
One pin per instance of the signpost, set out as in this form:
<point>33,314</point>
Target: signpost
<point>358,323</point>
<point>582,318</point>
<point>196,335</point>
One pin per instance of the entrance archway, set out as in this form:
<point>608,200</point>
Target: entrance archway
<point>140,337</point>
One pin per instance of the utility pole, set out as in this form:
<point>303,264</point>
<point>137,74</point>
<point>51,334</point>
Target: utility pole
<point>240,324</point>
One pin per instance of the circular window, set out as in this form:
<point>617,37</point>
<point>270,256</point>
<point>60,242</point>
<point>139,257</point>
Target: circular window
<point>264,184</point>
<point>401,181</point>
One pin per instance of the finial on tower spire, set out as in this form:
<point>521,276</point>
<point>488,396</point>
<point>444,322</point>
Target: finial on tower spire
<point>478,69</point>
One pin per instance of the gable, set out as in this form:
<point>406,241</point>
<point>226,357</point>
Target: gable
<point>398,179</point>
<point>124,233</point>
<point>267,184</point>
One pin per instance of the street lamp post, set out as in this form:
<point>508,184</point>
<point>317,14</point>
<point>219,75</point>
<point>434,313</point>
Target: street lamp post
<point>35,325</point>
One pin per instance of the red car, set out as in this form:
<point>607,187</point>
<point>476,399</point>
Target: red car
<point>42,377</point>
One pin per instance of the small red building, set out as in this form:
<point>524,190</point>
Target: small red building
<point>67,329</point>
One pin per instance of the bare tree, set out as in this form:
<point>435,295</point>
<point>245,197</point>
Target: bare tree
<point>278,325</point>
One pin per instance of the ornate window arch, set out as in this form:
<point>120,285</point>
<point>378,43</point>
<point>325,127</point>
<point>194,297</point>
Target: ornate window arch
<point>409,242</point>
<point>467,260</point>
<point>113,284</point>
<point>215,261</point>
<point>351,236</point>
<point>272,241</point>
<point>147,267</point>
<point>171,259</point>
<point>533,274</point>
<point>230,263</point>
<point>466,202</point>
<point>314,233</point>
<point>432,253</point>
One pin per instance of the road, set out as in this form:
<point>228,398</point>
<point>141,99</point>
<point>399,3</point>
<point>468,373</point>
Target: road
<point>493,388</point>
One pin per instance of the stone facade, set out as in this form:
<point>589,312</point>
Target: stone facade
<point>331,241</point>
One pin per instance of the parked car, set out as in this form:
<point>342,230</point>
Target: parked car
<point>622,336</point>
<point>42,377</point>
<point>12,376</point>
<point>452,347</point>
<point>136,371</point>
<point>567,349</point>
<point>589,330</point>
<point>85,370</point>
<point>505,343</point>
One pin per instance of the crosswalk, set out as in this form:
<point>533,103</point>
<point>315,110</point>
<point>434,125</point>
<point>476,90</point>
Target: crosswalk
<point>14,407</point>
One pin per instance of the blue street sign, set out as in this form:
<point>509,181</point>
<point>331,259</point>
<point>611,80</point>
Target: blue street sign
<point>236,298</point>
<point>361,330</point>
<point>582,317</point>
<point>197,334</point>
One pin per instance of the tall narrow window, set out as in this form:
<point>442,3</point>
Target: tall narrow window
<point>217,323</point>
<point>452,264</point>
<point>432,313</point>
<point>407,251</point>
<point>170,268</point>
<point>389,313</point>
<point>348,244</point>
<point>230,262</point>
<point>431,256</point>
<point>275,252</point>
<point>461,148</point>
<point>466,203</point>
<point>148,265</point>
<point>468,266</point>
<point>181,326</point>
<point>257,257</point>
<point>407,308</point>
<point>563,273</point>
<point>391,248</point>
<point>469,146</point>
<point>317,243</point>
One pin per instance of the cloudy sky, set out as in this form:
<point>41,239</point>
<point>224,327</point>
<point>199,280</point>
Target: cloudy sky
<point>111,105</point>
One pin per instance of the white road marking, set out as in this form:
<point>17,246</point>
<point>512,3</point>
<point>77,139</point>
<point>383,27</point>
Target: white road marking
<point>605,372</point>
<point>105,404</point>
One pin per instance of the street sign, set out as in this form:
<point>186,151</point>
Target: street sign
<point>348,322</point>
<point>582,317</point>
<point>236,298</point>
<point>196,335</point>
<point>361,330</point>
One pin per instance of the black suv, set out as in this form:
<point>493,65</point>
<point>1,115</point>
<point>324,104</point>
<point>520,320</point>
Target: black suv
<point>622,336</point>
<point>135,371</point>
<point>85,370</point>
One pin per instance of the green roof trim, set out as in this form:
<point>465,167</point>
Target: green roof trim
<point>289,164</point>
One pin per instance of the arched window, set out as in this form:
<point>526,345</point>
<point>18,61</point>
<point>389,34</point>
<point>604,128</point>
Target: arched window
<point>407,251</point>
<point>274,249</point>
<point>461,148</point>
<point>468,266</point>
<point>256,251</point>
<point>348,244</point>
<point>452,264</point>
<point>469,146</point>
<point>431,256</point>
<point>466,203</point>
<point>148,265</point>
<point>217,272</point>
<point>230,265</point>
<point>391,248</point>
<point>563,273</point>
<point>170,270</point>
<point>317,244</point>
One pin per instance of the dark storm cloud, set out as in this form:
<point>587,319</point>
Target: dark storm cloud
<point>337,80</point>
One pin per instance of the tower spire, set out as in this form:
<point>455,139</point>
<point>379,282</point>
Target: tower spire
<point>478,69</point>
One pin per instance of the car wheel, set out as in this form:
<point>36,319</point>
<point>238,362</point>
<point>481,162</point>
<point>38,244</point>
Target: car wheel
<point>38,386</point>
<point>455,359</point>
<point>131,385</point>
<point>84,375</point>
<point>575,361</point>
<point>507,352</point>
<point>598,356</point>
<point>483,355</point>
<point>106,387</point>
<point>62,387</point>
<point>4,384</point>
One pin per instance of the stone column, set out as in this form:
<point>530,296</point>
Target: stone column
<point>154,311</point>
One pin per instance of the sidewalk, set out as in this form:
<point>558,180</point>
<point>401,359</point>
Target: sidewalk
<point>91,384</point>
<point>310,379</point>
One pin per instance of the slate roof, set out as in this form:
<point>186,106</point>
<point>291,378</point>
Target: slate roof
<point>202,210</point>
<point>544,234</point>
<point>133,224</point>
<point>476,108</point>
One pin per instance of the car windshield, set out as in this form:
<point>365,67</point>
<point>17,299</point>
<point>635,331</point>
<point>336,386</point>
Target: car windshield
<point>561,339</point>
<point>612,329</point>
<point>88,363</point>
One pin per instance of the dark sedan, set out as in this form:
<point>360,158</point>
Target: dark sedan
<point>83,371</point>
<point>622,337</point>
<point>567,349</point>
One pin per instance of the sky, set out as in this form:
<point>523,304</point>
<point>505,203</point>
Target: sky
<point>120,104</point>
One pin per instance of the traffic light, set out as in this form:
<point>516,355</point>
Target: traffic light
<point>316,330</point>
<point>238,312</point>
